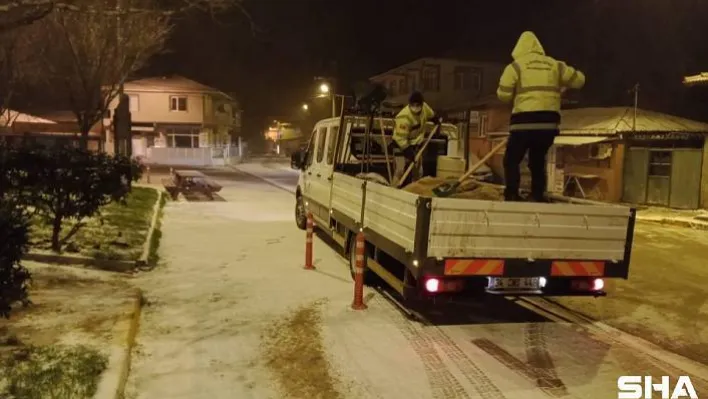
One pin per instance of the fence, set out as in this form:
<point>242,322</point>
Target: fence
<point>203,156</point>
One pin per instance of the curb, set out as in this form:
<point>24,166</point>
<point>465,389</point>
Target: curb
<point>696,225</point>
<point>147,245</point>
<point>265,179</point>
<point>120,266</point>
<point>113,265</point>
<point>113,386</point>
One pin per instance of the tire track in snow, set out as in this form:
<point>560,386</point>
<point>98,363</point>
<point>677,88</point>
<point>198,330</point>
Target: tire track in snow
<point>443,384</point>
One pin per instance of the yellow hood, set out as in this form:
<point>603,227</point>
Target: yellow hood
<point>528,43</point>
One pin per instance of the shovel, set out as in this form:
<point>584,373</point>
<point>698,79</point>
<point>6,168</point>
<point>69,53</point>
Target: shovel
<point>447,189</point>
<point>418,155</point>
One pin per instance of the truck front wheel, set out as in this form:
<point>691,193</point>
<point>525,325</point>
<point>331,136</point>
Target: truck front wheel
<point>300,213</point>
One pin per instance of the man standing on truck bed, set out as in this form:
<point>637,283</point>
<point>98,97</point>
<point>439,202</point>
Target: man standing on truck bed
<point>409,135</point>
<point>534,82</point>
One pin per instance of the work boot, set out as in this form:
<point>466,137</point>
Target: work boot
<point>514,198</point>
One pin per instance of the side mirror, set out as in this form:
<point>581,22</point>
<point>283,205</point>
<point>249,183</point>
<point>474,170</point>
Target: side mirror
<point>297,159</point>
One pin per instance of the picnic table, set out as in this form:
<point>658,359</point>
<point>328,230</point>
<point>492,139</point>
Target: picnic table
<point>189,181</point>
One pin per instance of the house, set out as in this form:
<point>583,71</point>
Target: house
<point>178,120</point>
<point>614,154</point>
<point>47,127</point>
<point>444,82</point>
<point>449,85</point>
<point>283,138</point>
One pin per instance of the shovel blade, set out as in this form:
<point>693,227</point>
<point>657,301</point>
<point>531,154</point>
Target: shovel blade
<point>446,189</point>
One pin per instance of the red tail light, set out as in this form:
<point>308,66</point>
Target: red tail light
<point>432,285</point>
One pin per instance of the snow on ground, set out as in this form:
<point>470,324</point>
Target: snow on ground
<point>231,269</point>
<point>232,279</point>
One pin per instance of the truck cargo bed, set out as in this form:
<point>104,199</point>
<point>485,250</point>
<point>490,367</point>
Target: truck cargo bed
<point>464,228</point>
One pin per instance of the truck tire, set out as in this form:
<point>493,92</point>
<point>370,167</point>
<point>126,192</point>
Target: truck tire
<point>300,213</point>
<point>370,278</point>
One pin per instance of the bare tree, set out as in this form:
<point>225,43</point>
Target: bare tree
<point>17,67</point>
<point>17,13</point>
<point>87,55</point>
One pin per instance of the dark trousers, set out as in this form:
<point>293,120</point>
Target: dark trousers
<point>429,161</point>
<point>536,143</point>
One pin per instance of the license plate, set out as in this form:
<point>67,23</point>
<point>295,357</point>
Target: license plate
<point>503,283</point>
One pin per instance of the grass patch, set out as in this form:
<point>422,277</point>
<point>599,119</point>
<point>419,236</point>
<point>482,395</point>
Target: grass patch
<point>294,351</point>
<point>117,234</point>
<point>52,372</point>
<point>153,256</point>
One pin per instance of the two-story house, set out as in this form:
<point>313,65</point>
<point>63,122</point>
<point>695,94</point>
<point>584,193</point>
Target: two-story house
<point>450,85</point>
<point>176,112</point>
<point>445,82</point>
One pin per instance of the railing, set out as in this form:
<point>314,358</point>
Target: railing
<point>202,156</point>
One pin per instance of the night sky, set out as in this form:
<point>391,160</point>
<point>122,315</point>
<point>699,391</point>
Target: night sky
<point>270,69</point>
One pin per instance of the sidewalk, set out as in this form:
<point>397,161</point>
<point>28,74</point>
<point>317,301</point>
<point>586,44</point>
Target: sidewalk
<point>697,219</point>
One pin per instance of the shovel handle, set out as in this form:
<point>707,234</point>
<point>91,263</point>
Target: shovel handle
<point>484,159</point>
<point>418,155</point>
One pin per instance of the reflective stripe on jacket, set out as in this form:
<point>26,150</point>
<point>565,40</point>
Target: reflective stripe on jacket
<point>534,83</point>
<point>408,126</point>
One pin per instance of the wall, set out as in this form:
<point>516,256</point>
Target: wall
<point>447,96</point>
<point>155,107</point>
<point>609,170</point>
<point>704,178</point>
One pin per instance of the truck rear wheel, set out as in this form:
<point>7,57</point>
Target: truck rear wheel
<point>300,213</point>
<point>370,278</point>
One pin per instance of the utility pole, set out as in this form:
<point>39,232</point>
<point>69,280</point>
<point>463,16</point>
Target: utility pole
<point>636,103</point>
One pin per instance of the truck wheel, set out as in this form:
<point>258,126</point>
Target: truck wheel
<point>300,214</point>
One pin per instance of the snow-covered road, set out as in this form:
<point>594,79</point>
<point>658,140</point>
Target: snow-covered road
<point>231,303</point>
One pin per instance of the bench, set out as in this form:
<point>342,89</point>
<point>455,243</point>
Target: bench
<point>187,181</point>
<point>171,187</point>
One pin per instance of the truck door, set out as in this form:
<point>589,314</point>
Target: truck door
<point>319,192</point>
<point>306,175</point>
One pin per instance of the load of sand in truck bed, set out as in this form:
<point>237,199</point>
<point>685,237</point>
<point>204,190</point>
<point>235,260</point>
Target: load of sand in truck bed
<point>468,189</point>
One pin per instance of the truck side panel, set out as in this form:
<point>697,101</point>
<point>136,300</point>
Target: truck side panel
<point>347,195</point>
<point>461,228</point>
<point>391,213</point>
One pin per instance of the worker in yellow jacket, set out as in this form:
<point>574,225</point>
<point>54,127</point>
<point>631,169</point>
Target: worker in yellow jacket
<point>409,135</point>
<point>534,83</point>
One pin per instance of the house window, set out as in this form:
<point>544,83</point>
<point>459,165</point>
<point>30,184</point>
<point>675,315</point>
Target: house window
<point>413,82</point>
<point>467,78</point>
<point>134,102</point>
<point>660,163</point>
<point>178,103</point>
<point>402,86</point>
<point>392,87</point>
<point>431,78</point>
<point>483,125</point>
<point>183,137</point>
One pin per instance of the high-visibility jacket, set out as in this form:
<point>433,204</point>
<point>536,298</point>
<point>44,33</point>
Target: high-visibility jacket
<point>534,83</point>
<point>410,127</point>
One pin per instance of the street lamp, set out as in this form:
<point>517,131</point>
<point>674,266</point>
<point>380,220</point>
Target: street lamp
<point>324,88</point>
<point>305,107</point>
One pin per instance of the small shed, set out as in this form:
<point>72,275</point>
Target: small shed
<point>662,155</point>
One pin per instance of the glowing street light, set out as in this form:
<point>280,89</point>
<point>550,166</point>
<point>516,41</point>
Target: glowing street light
<point>324,88</point>
<point>305,107</point>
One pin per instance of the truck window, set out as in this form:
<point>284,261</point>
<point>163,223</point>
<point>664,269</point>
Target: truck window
<point>334,130</point>
<point>321,141</point>
<point>310,149</point>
